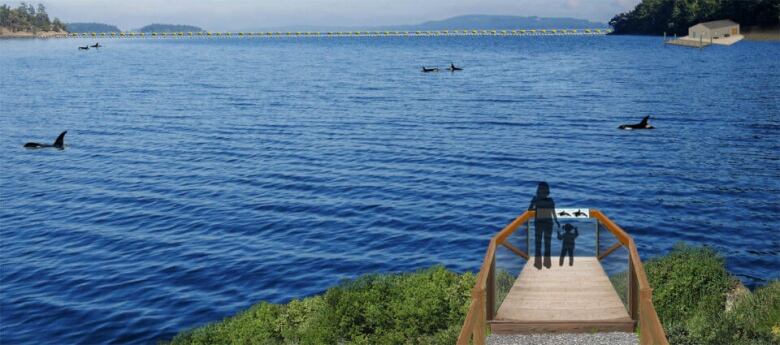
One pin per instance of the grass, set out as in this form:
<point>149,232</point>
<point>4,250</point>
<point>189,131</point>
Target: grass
<point>427,307</point>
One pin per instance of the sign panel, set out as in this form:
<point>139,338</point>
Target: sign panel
<point>572,212</point>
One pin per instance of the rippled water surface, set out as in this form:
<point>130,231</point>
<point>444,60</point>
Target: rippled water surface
<point>202,176</point>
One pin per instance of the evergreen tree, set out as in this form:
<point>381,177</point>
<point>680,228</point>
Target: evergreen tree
<point>654,17</point>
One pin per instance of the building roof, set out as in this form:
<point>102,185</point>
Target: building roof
<point>717,24</point>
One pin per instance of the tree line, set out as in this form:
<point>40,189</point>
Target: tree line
<point>654,17</point>
<point>28,18</point>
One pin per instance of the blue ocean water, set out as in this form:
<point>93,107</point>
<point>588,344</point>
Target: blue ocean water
<point>203,176</point>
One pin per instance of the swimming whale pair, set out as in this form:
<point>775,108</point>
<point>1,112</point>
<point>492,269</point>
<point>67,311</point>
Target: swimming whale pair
<point>641,125</point>
<point>452,68</point>
<point>86,47</point>
<point>59,143</point>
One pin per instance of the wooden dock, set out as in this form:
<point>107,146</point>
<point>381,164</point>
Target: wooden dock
<point>578,298</point>
<point>688,43</point>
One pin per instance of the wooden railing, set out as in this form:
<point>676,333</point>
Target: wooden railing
<point>483,295</point>
<point>640,295</point>
<point>640,302</point>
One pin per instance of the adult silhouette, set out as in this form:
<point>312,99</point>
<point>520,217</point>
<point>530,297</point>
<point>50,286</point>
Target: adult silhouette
<point>544,206</point>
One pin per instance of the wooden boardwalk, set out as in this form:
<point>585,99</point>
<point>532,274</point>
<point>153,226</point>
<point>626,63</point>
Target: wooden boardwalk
<point>578,298</point>
<point>689,43</point>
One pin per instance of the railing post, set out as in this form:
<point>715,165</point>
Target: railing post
<point>633,291</point>
<point>528,238</point>
<point>598,235</point>
<point>491,291</point>
<point>479,325</point>
<point>644,297</point>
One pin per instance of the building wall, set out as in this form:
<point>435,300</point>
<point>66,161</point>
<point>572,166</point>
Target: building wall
<point>697,31</point>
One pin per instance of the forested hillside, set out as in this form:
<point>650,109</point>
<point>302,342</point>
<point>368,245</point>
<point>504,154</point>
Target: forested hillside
<point>654,17</point>
<point>28,18</point>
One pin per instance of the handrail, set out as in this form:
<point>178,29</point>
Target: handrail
<point>475,323</point>
<point>640,294</point>
<point>641,307</point>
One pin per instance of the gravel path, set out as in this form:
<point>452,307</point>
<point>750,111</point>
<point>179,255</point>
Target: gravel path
<point>614,338</point>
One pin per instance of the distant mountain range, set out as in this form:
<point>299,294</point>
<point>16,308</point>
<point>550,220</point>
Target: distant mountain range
<point>100,27</point>
<point>90,27</point>
<point>483,22</point>
<point>475,21</point>
<point>492,22</point>
<point>169,28</point>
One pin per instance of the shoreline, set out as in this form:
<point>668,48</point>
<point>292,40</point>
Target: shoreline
<point>5,33</point>
<point>753,34</point>
<point>749,34</point>
<point>681,279</point>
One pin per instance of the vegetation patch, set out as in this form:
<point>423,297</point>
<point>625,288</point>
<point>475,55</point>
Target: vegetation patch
<point>426,307</point>
<point>654,17</point>
<point>690,285</point>
<point>28,18</point>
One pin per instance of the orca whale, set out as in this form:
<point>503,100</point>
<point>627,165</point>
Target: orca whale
<point>84,48</point>
<point>580,213</point>
<point>59,143</point>
<point>96,45</point>
<point>428,70</point>
<point>563,213</point>
<point>641,125</point>
<point>452,68</point>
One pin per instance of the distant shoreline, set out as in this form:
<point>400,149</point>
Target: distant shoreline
<point>6,33</point>
<point>760,34</point>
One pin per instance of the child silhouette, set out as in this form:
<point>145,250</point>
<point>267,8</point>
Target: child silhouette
<point>568,242</point>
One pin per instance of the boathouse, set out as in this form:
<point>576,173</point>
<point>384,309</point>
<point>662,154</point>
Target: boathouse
<point>714,30</point>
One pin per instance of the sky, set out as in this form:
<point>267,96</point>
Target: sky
<point>236,15</point>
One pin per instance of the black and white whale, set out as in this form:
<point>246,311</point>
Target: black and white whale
<point>59,143</point>
<point>641,125</point>
<point>84,48</point>
<point>428,70</point>
<point>452,68</point>
<point>96,45</point>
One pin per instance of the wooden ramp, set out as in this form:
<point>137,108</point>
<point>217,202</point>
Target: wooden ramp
<point>578,298</point>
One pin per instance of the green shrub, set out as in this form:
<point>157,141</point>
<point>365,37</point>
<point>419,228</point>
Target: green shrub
<point>755,318</point>
<point>400,309</point>
<point>426,307</point>
<point>690,285</point>
<point>254,326</point>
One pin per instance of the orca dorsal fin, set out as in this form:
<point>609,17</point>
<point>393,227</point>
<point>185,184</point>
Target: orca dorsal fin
<point>60,142</point>
<point>644,120</point>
